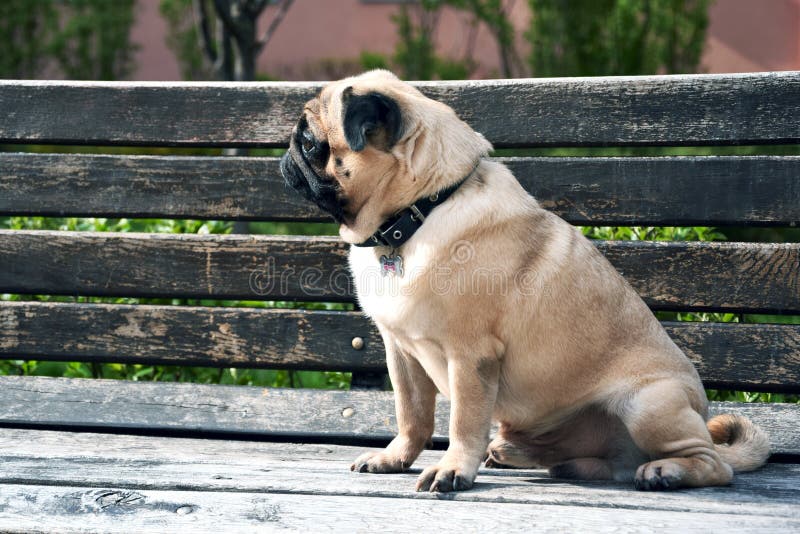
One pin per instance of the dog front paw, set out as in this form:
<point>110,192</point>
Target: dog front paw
<point>379,462</point>
<point>444,477</point>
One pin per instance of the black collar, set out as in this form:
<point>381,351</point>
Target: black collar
<point>402,225</point>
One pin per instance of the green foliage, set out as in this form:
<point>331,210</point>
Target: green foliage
<point>450,69</point>
<point>171,373</point>
<point>83,39</point>
<point>415,54</point>
<point>99,224</point>
<point>26,27</point>
<point>373,60</point>
<point>415,57</point>
<point>653,233</point>
<point>744,396</point>
<point>490,12</point>
<point>93,42</point>
<point>493,13</point>
<point>616,37</point>
<point>183,39</point>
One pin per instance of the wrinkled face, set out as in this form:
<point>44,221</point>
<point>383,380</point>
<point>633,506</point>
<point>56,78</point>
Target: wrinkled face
<point>369,146</point>
<point>340,152</point>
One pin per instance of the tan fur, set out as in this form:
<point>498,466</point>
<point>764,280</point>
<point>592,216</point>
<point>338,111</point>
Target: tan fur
<point>515,316</point>
<point>739,442</point>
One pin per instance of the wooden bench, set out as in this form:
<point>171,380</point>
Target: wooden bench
<point>123,456</point>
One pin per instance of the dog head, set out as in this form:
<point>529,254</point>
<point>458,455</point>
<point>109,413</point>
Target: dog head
<point>369,146</point>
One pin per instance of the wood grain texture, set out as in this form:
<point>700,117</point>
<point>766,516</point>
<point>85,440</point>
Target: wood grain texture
<point>32,509</point>
<point>64,459</point>
<point>751,277</point>
<point>745,357</point>
<point>291,413</point>
<point>752,190</point>
<point>187,335</point>
<point>648,110</point>
<point>191,265</point>
<point>710,276</point>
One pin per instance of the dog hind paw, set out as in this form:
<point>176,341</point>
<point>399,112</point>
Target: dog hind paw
<point>654,477</point>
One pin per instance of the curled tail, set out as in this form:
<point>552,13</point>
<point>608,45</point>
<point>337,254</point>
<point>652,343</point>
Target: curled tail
<point>740,443</point>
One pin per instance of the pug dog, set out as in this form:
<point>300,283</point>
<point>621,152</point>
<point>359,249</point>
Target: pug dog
<point>500,305</point>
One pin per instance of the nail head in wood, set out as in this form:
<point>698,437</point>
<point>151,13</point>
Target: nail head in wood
<point>358,343</point>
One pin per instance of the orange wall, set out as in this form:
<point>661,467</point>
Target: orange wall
<point>744,35</point>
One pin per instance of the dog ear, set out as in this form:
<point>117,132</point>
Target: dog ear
<point>372,117</point>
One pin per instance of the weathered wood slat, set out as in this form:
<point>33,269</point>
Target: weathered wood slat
<point>293,413</point>
<point>710,276</point>
<point>113,509</point>
<point>655,110</point>
<point>747,357</point>
<point>756,190</point>
<point>211,266</point>
<point>750,277</point>
<point>668,191</point>
<point>186,335</point>
<point>35,457</point>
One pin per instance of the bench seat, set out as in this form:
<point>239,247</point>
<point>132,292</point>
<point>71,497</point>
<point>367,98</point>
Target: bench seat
<point>254,470</point>
<point>126,456</point>
<point>56,481</point>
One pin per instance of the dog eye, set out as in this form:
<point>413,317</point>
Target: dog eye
<point>308,143</point>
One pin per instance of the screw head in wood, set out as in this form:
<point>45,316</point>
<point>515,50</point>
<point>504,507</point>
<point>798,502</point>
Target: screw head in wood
<point>358,343</point>
<point>348,412</point>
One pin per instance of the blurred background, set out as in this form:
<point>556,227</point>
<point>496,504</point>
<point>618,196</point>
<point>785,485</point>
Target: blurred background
<point>243,40</point>
<point>424,39</point>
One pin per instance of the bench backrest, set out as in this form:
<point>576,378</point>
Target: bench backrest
<point>733,190</point>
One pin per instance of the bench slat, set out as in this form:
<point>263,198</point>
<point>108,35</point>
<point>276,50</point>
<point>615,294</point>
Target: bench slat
<point>121,510</point>
<point>752,190</point>
<point>749,108</point>
<point>242,410</point>
<point>669,275</point>
<point>51,458</point>
<point>189,335</point>
<point>748,357</point>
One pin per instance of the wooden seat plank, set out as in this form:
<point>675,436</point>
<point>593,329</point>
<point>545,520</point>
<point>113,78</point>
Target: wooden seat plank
<point>751,357</point>
<point>241,410</point>
<point>123,510</point>
<point>66,459</point>
<point>749,108</point>
<point>668,275</point>
<point>714,191</point>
